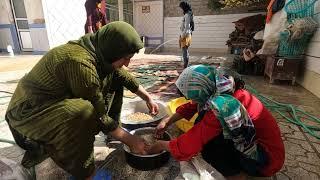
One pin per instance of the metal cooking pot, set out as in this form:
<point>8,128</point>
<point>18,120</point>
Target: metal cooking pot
<point>140,106</point>
<point>147,162</point>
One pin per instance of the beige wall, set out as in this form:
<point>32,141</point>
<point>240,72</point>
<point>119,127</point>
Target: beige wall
<point>38,33</point>
<point>34,11</point>
<point>310,78</point>
<point>210,35</point>
<point>5,12</point>
<point>6,25</point>
<point>149,24</point>
<point>311,81</point>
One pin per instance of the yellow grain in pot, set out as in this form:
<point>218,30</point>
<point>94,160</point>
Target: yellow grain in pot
<point>139,116</point>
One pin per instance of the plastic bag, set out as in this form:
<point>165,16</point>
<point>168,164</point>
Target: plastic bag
<point>183,124</point>
<point>272,31</point>
<point>11,170</point>
<point>270,46</point>
<point>301,26</point>
<point>248,54</point>
<point>198,169</point>
<point>259,35</point>
<point>277,24</point>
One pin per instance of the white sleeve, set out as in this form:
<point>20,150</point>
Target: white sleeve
<point>186,25</point>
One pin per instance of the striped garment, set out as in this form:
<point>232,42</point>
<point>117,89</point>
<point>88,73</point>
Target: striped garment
<point>71,94</point>
<point>236,123</point>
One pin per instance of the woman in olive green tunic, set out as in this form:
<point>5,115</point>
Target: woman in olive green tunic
<point>71,94</point>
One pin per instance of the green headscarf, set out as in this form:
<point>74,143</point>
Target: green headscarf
<point>113,41</point>
<point>236,123</point>
<point>208,86</point>
<point>200,82</point>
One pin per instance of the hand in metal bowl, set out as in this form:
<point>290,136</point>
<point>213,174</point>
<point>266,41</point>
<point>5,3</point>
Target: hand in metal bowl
<point>158,147</point>
<point>139,146</point>
<point>149,161</point>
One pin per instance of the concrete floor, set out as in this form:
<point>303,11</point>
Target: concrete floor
<point>302,150</point>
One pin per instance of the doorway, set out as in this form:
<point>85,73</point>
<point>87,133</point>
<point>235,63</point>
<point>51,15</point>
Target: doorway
<point>22,25</point>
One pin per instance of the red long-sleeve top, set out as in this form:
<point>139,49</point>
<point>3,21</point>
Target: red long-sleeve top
<point>267,132</point>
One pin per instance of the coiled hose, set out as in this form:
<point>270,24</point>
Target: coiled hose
<point>295,113</point>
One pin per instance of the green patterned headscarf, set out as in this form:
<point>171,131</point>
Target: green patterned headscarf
<point>112,42</point>
<point>208,86</point>
<point>200,82</point>
<point>236,123</point>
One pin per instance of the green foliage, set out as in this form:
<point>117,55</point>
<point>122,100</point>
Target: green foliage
<point>215,4</point>
<point>233,4</point>
<point>241,3</point>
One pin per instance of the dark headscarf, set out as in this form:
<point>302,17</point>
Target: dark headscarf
<point>185,6</point>
<point>113,41</point>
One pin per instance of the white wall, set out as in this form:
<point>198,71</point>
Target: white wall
<point>8,34</point>
<point>5,12</point>
<point>6,25</point>
<point>38,31</point>
<point>149,24</point>
<point>313,54</point>
<point>311,76</point>
<point>65,20</point>
<point>313,63</point>
<point>5,38</point>
<point>40,41</point>
<point>34,11</point>
<point>211,32</point>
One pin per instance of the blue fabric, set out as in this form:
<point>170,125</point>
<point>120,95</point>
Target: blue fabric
<point>101,174</point>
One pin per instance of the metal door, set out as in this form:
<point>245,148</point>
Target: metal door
<point>113,11</point>
<point>22,25</point>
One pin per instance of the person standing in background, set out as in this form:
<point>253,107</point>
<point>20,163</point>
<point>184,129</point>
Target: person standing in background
<point>187,27</point>
<point>96,15</point>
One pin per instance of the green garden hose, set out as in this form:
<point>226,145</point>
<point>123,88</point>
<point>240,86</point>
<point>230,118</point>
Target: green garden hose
<point>7,141</point>
<point>295,113</point>
<point>281,108</point>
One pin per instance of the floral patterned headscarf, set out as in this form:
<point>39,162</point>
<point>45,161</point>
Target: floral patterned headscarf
<point>210,88</point>
<point>200,82</point>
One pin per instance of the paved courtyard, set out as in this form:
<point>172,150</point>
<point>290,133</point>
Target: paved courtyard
<point>302,150</point>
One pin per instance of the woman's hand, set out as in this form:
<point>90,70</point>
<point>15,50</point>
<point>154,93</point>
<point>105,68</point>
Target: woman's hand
<point>138,146</point>
<point>143,94</point>
<point>153,107</point>
<point>158,147</point>
<point>165,123</point>
<point>161,128</point>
